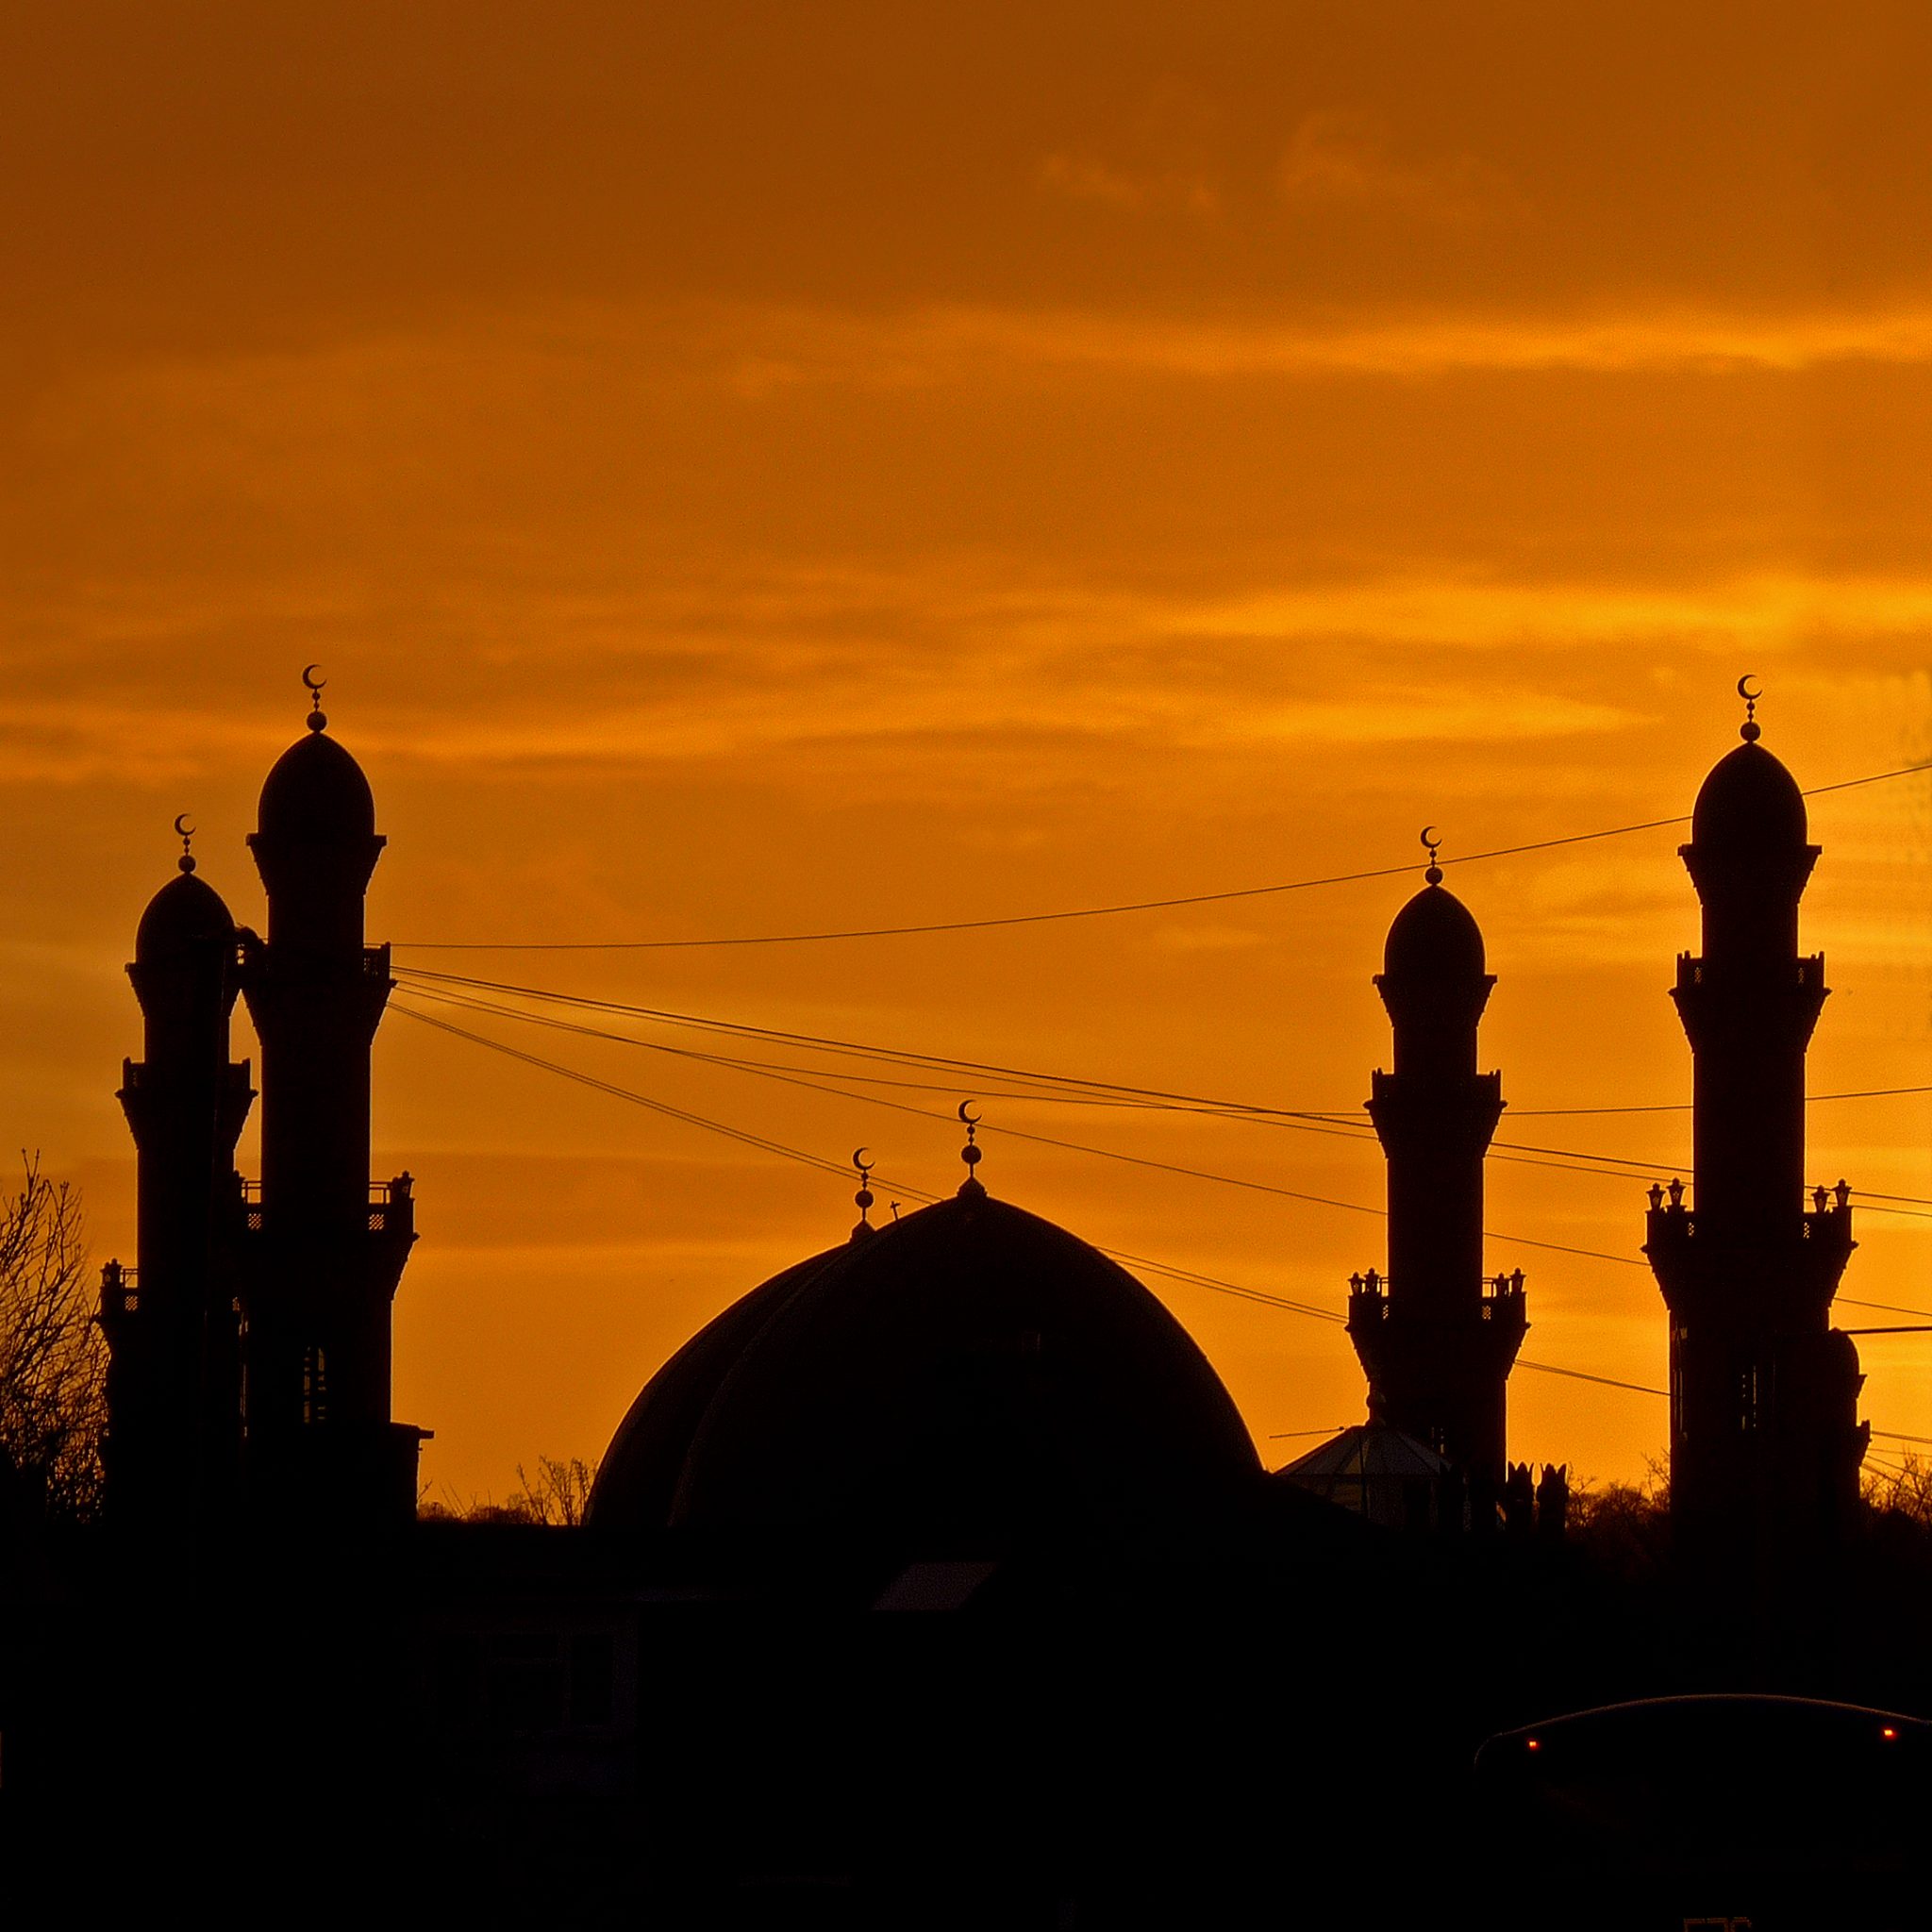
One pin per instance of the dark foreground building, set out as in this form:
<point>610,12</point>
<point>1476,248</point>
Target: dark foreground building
<point>937,1580</point>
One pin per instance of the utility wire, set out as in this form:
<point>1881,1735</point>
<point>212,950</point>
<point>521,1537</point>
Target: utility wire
<point>1884,1308</point>
<point>1167,1270</point>
<point>821,1164</point>
<point>1037,1085</point>
<point>1110,911</point>
<point>824,1165</point>
<point>1527,1114</point>
<point>823,1086</point>
<point>1583,1376</point>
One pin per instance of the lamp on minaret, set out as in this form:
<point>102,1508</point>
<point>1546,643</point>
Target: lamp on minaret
<point>1436,1340</point>
<point>174,1379</point>
<point>1765,1444</point>
<point>331,1247</point>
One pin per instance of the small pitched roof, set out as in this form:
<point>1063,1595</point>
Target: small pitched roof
<point>1369,1450</point>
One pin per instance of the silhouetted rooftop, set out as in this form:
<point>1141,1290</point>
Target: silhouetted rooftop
<point>1748,803</point>
<point>951,1381</point>
<point>1434,936</point>
<point>183,916</point>
<point>316,793</point>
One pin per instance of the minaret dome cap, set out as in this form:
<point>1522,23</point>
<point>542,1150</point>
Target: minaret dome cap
<point>1748,803</point>
<point>316,794</point>
<point>186,915</point>
<point>1435,937</point>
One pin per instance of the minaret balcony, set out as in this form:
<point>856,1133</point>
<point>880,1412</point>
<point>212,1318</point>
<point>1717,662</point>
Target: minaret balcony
<point>1368,1298</point>
<point>1805,973</point>
<point>120,1293</point>
<point>1826,1223</point>
<point>391,1208</point>
<point>1502,1299</point>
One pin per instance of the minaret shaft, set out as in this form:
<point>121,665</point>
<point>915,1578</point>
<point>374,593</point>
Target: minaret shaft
<point>173,1452</point>
<point>328,1247</point>
<point>1436,1340</point>
<point>1765,1445</point>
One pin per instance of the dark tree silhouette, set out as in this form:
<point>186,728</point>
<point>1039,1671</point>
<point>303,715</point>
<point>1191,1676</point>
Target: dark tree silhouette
<point>52,1360</point>
<point>1905,1493</point>
<point>558,1493</point>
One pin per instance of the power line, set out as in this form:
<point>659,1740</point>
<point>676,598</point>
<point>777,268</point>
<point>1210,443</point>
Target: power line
<point>1525,1114</point>
<point>612,1087</point>
<point>823,1165</point>
<point>1110,911</point>
<point>857,1049</point>
<point>1584,1375</point>
<point>823,1086</point>
<point>828,1166</point>
<point>1166,1270</point>
<point>1027,1083</point>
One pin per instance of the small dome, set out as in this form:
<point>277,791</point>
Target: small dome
<point>1748,803</point>
<point>184,916</point>
<point>958,1379</point>
<point>1434,936</point>
<point>317,794</point>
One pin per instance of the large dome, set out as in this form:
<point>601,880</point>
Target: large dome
<point>954,1382</point>
<point>316,794</point>
<point>1748,804</point>
<point>1435,937</point>
<point>181,919</point>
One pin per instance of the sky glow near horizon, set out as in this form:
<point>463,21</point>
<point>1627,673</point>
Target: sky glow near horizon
<point>773,469</point>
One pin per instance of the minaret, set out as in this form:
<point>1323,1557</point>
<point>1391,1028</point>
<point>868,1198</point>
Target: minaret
<point>1436,1340</point>
<point>171,1324</point>
<point>327,1249</point>
<point>1765,1442</point>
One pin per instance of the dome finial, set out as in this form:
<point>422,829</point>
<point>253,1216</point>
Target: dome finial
<point>863,1197</point>
<point>1433,839</point>
<point>317,722</point>
<point>972,1152</point>
<point>184,827</point>
<point>1750,729</point>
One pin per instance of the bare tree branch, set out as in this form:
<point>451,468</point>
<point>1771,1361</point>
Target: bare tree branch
<point>53,1358</point>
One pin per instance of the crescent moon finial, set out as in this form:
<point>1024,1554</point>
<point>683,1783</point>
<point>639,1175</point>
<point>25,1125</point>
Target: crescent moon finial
<point>1749,730</point>
<point>184,830</point>
<point>972,1152</point>
<point>862,1200</point>
<point>1433,839</point>
<point>316,685</point>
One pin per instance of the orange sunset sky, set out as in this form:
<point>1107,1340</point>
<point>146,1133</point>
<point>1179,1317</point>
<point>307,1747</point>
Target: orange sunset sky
<point>747,470</point>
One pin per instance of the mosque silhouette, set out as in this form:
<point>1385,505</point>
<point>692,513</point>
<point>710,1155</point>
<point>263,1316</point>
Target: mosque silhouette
<point>1163,1657</point>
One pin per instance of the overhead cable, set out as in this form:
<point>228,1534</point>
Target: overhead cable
<point>1034,1084</point>
<point>1078,912</point>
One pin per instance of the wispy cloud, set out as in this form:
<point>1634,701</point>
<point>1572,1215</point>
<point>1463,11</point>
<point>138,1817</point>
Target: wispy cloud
<point>939,345</point>
<point>1346,160</point>
<point>1086,177</point>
